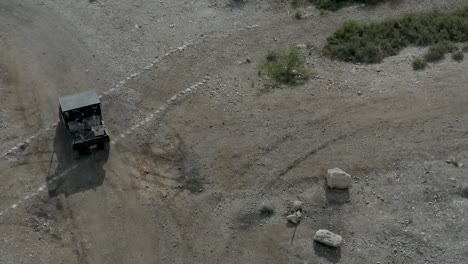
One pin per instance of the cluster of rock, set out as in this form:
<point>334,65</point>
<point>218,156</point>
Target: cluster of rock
<point>336,179</point>
<point>295,217</point>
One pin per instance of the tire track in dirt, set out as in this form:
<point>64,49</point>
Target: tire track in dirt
<point>314,151</point>
<point>37,192</point>
<point>115,88</point>
<point>159,113</point>
<point>120,85</point>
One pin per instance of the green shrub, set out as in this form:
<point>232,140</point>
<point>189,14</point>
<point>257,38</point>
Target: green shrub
<point>266,211</point>
<point>285,66</point>
<point>371,43</point>
<point>437,52</point>
<point>271,56</point>
<point>419,64</point>
<point>465,48</point>
<point>335,4</point>
<point>297,3</point>
<point>458,56</point>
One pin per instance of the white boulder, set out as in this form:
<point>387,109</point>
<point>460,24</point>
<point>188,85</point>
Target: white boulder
<point>328,238</point>
<point>338,179</point>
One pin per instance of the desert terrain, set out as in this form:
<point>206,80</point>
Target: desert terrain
<point>200,142</point>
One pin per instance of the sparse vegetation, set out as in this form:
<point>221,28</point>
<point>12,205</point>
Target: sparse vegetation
<point>297,3</point>
<point>266,211</point>
<point>370,43</point>
<point>419,64</point>
<point>465,48</point>
<point>458,56</point>
<point>299,14</point>
<point>285,66</point>
<point>437,52</point>
<point>335,4</point>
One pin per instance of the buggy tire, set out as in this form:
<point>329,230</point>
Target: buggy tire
<point>104,146</point>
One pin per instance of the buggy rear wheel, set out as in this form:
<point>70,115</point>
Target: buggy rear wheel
<point>104,145</point>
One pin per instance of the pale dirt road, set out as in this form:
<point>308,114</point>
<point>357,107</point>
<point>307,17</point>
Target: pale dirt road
<point>185,187</point>
<point>41,58</point>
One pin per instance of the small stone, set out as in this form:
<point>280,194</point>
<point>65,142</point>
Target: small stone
<point>454,163</point>
<point>338,179</point>
<point>293,219</point>
<point>248,60</point>
<point>301,46</point>
<point>297,206</point>
<point>328,238</point>
<point>465,190</point>
<point>298,214</point>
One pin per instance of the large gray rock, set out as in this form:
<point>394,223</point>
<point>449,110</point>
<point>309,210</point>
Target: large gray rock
<point>338,179</point>
<point>328,238</point>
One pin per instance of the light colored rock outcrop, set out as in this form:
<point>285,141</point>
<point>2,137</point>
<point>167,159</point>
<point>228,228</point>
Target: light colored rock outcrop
<point>338,179</point>
<point>328,238</point>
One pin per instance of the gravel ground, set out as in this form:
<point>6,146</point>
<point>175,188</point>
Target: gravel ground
<point>189,171</point>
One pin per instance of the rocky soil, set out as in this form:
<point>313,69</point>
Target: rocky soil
<point>201,142</point>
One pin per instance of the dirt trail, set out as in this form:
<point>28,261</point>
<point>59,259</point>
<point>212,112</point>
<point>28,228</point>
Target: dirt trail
<point>40,59</point>
<point>185,187</point>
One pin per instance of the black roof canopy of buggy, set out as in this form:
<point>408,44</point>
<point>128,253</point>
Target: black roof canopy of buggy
<point>79,100</point>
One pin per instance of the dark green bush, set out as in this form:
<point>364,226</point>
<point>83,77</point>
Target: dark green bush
<point>419,64</point>
<point>297,3</point>
<point>299,14</point>
<point>370,43</point>
<point>458,56</point>
<point>271,56</point>
<point>465,48</point>
<point>266,211</point>
<point>335,4</point>
<point>437,52</point>
<point>285,66</point>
